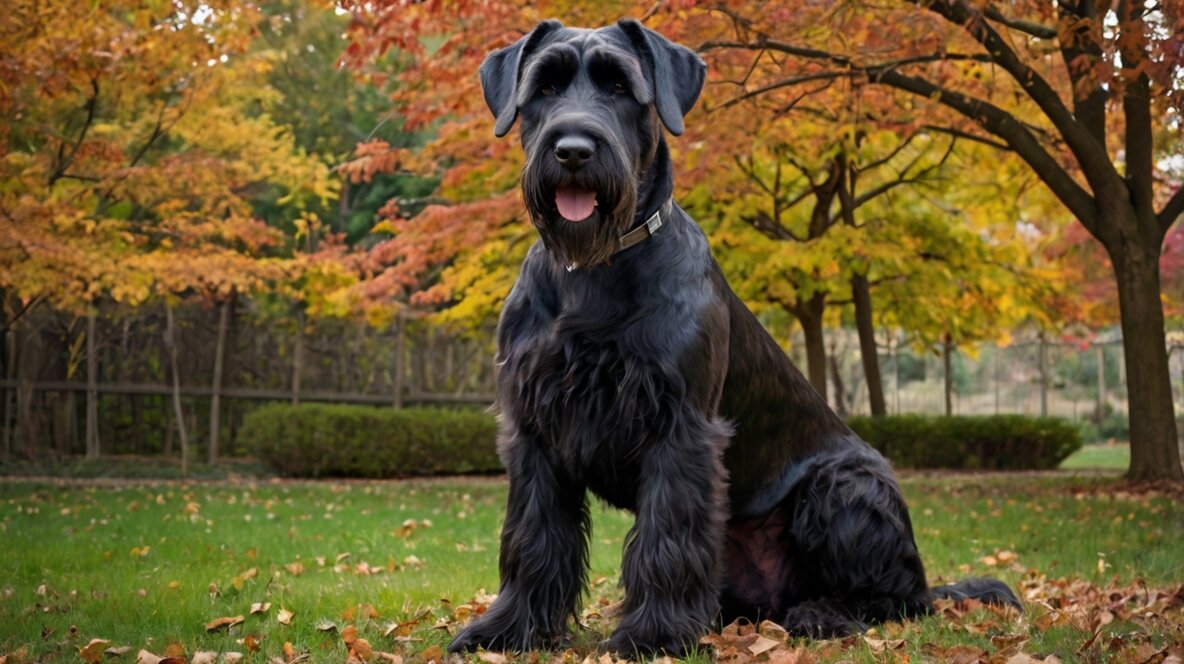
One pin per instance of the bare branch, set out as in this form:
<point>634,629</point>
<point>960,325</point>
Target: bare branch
<point>1171,210</point>
<point>64,161</point>
<point>958,133</point>
<point>1036,30</point>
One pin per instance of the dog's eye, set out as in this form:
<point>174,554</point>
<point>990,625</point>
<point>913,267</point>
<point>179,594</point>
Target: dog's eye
<point>548,91</point>
<point>619,88</point>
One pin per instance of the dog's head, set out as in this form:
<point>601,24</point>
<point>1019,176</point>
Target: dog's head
<point>593,104</point>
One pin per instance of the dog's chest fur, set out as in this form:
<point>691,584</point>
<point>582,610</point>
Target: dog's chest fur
<point>604,373</point>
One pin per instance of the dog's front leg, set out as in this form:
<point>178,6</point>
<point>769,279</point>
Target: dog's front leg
<point>673,560</point>
<point>543,558</point>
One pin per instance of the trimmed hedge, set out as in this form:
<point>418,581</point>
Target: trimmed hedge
<point>323,440</point>
<point>992,442</point>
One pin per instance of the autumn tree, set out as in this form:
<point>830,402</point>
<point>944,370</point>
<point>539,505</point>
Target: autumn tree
<point>132,145</point>
<point>1086,93</point>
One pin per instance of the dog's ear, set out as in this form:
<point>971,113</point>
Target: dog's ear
<point>500,73</point>
<point>677,72</point>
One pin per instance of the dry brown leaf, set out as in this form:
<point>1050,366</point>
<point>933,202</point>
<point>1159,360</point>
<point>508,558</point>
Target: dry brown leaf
<point>325,625</point>
<point>884,645</point>
<point>174,651</point>
<point>284,616</point>
<point>114,652</point>
<point>289,651</point>
<point>349,635</point>
<point>363,649</point>
<point>225,621</point>
<point>390,657</point>
<point>231,657</point>
<point>145,657</point>
<point>795,656</point>
<point>93,651</point>
<point>204,657</point>
<point>761,645</point>
<point>260,607</point>
<point>432,654</point>
<point>295,569</point>
<point>492,657</point>
<point>251,643</point>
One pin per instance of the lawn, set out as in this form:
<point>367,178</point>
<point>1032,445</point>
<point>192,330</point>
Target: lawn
<point>394,567</point>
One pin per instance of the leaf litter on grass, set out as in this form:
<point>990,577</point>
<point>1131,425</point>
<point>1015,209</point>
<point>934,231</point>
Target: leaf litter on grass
<point>1068,618</point>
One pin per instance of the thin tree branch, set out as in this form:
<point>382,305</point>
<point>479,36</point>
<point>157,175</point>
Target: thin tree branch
<point>1171,210</point>
<point>958,133</point>
<point>1095,161</point>
<point>64,161</point>
<point>1036,30</point>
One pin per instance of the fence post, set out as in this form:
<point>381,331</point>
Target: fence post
<point>298,358</point>
<point>1100,352</point>
<point>92,387</point>
<point>400,358</point>
<point>170,337</point>
<point>216,387</point>
<point>1043,360</point>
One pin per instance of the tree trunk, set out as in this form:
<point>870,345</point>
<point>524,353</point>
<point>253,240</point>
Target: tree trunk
<point>1155,448</point>
<point>216,387</point>
<point>836,373</point>
<point>92,387</point>
<point>809,315</point>
<point>170,337</point>
<point>864,324</point>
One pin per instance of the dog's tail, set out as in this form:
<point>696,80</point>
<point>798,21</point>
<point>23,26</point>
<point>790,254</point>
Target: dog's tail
<point>988,591</point>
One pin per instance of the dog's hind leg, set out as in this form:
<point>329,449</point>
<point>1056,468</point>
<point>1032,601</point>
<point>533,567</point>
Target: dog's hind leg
<point>544,556</point>
<point>850,531</point>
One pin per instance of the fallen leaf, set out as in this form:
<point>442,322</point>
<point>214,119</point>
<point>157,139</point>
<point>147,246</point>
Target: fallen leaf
<point>362,649</point>
<point>204,657</point>
<point>93,651</point>
<point>231,657</point>
<point>390,657</point>
<point>325,625</point>
<point>432,654</point>
<point>226,621</point>
<point>762,645</point>
<point>251,643</point>
<point>349,635</point>
<point>284,617</point>
<point>884,645</point>
<point>295,569</point>
<point>492,657</point>
<point>117,652</point>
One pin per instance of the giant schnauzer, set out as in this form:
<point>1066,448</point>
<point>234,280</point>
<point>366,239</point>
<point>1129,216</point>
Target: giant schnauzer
<point>629,368</point>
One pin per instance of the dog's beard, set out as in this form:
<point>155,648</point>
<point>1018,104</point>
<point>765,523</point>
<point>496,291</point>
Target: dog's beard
<point>589,241</point>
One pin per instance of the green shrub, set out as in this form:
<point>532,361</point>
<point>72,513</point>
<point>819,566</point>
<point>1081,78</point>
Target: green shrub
<point>993,442</point>
<point>321,440</point>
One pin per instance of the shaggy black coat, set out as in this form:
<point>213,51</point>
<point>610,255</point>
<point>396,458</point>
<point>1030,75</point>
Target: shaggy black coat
<point>638,375</point>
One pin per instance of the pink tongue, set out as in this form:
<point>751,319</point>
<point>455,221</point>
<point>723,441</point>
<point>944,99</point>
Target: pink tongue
<point>574,203</point>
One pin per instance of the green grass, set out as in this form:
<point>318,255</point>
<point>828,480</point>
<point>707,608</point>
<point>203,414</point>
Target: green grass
<point>73,566</point>
<point>1099,456</point>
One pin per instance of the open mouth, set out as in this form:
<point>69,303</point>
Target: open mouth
<point>575,203</point>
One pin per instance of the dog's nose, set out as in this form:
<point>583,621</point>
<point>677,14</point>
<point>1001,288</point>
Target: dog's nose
<point>574,150</point>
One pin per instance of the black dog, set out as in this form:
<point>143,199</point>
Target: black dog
<point>628,367</point>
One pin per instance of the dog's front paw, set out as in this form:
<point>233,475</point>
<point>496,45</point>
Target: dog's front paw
<point>492,632</point>
<point>637,647</point>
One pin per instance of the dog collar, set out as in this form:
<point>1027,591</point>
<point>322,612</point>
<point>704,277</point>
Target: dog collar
<point>647,229</point>
<point>642,232</point>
